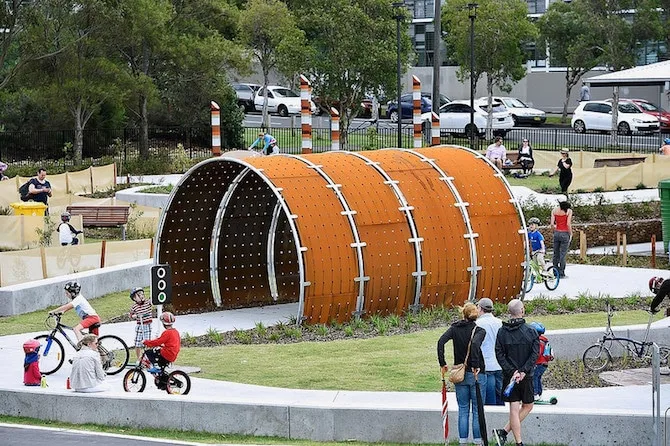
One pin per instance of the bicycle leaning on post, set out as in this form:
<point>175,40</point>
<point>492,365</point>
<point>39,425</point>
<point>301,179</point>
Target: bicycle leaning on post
<point>599,355</point>
<point>176,382</point>
<point>114,352</point>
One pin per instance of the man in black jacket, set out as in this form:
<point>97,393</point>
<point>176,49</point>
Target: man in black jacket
<point>517,349</point>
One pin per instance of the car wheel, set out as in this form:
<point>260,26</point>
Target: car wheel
<point>516,121</point>
<point>624,128</point>
<point>242,107</point>
<point>471,131</point>
<point>394,116</point>
<point>283,111</point>
<point>579,126</point>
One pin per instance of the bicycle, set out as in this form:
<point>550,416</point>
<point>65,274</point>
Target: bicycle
<point>176,382</point>
<point>599,355</point>
<point>551,277</point>
<point>114,352</point>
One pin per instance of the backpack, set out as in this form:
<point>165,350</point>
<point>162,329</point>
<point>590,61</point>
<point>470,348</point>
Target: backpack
<point>23,191</point>
<point>548,352</point>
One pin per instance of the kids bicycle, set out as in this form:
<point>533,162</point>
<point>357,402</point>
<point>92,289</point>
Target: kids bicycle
<point>551,277</point>
<point>599,355</point>
<point>114,353</point>
<point>176,382</point>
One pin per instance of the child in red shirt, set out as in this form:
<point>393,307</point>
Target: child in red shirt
<point>31,366</point>
<point>543,359</point>
<point>169,343</point>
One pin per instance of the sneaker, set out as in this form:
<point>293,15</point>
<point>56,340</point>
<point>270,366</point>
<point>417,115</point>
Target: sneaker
<point>153,370</point>
<point>537,397</point>
<point>500,435</point>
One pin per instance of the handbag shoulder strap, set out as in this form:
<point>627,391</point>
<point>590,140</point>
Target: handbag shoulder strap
<point>469,344</point>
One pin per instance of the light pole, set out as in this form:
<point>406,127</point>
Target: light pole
<point>472,8</point>
<point>399,18</point>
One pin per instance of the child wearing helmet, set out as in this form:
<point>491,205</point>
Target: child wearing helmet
<point>536,240</point>
<point>168,343</point>
<point>542,363</point>
<point>31,366</point>
<point>661,288</point>
<point>67,234</point>
<point>665,148</point>
<point>141,311</point>
<point>89,318</point>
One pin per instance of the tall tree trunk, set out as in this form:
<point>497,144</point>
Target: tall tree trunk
<point>489,115</point>
<point>144,128</point>
<point>615,117</point>
<point>78,137</point>
<point>265,121</point>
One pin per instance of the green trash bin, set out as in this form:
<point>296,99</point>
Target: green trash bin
<point>664,192</point>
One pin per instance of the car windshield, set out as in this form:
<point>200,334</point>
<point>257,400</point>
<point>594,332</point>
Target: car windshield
<point>628,107</point>
<point>286,93</point>
<point>648,106</point>
<point>514,102</point>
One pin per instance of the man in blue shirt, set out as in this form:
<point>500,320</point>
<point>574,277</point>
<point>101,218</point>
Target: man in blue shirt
<point>494,378</point>
<point>269,144</point>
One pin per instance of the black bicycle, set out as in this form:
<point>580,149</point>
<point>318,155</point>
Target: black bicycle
<point>176,382</point>
<point>114,352</point>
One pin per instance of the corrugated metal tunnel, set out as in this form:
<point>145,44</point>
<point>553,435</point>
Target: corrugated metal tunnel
<point>343,233</point>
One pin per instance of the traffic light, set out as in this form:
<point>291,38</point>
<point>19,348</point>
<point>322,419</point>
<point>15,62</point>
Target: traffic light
<point>161,284</point>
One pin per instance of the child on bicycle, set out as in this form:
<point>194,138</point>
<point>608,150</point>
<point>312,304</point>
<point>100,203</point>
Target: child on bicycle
<point>89,318</point>
<point>536,239</point>
<point>542,363</point>
<point>67,234</point>
<point>169,343</point>
<point>141,311</point>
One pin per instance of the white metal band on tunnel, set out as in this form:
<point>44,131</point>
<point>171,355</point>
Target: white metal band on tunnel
<point>272,235</point>
<point>517,205</point>
<point>349,213</point>
<point>407,209</point>
<point>470,235</point>
<point>216,234</point>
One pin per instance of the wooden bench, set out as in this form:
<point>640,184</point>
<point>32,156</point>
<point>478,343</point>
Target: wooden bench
<point>103,216</point>
<point>514,158</point>
<point>618,162</point>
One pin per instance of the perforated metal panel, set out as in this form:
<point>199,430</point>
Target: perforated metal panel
<point>342,233</point>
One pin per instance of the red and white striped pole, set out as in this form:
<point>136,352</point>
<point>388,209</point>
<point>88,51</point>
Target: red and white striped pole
<point>305,115</point>
<point>335,128</point>
<point>416,101</point>
<point>434,129</point>
<point>216,128</point>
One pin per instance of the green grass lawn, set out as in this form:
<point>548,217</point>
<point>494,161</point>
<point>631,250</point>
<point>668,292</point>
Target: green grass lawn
<point>538,183</point>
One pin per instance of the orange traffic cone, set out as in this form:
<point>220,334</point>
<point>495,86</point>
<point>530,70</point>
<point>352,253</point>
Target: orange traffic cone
<point>67,383</point>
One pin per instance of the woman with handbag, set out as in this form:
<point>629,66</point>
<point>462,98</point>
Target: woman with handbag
<point>467,339</point>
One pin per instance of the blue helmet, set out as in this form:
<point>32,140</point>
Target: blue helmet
<point>666,140</point>
<point>538,327</point>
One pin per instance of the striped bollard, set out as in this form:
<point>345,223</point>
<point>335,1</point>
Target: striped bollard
<point>305,115</point>
<point>335,128</point>
<point>216,128</point>
<point>416,102</point>
<point>434,129</point>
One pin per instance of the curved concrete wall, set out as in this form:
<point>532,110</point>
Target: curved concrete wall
<point>343,233</point>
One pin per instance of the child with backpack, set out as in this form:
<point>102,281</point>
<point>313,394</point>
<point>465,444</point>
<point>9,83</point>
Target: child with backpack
<point>546,355</point>
<point>67,234</point>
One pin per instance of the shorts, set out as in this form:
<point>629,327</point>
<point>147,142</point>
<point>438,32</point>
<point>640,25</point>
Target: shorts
<point>90,320</point>
<point>523,391</point>
<point>142,332</point>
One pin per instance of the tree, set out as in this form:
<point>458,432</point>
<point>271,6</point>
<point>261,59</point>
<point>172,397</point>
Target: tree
<point>572,43</point>
<point>351,53</point>
<point>269,31</point>
<point>501,30</point>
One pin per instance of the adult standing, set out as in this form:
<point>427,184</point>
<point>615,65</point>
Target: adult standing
<point>491,325</point>
<point>526,156</point>
<point>466,337</point>
<point>497,153</point>
<point>40,188</point>
<point>584,93</point>
<point>517,349</point>
<point>565,167</point>
<point>87,374</point>
<point>561,224</point>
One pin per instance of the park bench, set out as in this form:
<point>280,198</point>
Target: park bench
<point>102,216</point>
<point>618,162</point>
<point>514,158</point>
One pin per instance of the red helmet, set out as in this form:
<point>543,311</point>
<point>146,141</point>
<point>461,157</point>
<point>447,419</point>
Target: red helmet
<point>167,318</point>
<point>31,345</point>
<point>655,284</point>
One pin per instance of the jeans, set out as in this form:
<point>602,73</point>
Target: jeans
<point>494,381</point>
<point>467,398</point>
<point>561,245</point>
<point>537,378</point>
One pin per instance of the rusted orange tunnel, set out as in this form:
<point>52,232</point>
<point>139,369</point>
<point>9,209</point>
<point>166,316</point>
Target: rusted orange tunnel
<point>343,233</point>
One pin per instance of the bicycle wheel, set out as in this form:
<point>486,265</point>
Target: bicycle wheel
<point>552,278</point>
<point>52,354</point>
<point>596,357</point>
<point>114,354</point>
<point>134,381</point>
<point>178,383</point>
<point>529,283</point>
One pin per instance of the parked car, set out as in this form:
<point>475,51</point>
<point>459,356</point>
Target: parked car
<point>455,118</point>
<point>245,95</point>
<point>597,115</point>
<point>651,109</point>
<point>281,100</point>
<point>407,105</point>
<point>364,110</point>
<point>522,114</point>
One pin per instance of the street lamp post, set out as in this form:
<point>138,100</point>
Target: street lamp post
<point>399,18</point>
<point>472,8</point>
